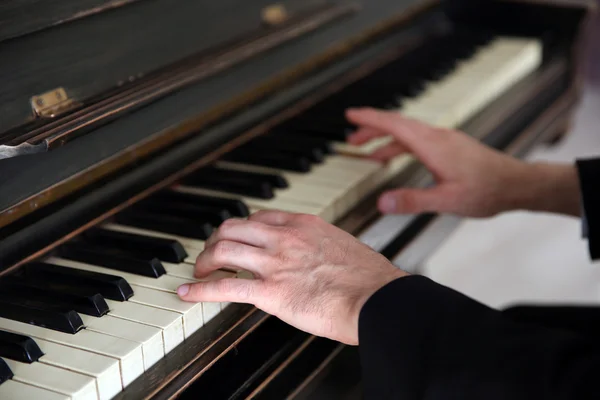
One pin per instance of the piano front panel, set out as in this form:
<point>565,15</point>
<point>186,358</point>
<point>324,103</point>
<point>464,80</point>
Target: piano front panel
<point>149,343</point>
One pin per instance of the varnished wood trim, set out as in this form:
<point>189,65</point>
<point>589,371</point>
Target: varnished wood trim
<point>316,372</point>
<point>282,367</point>
<point>169,136</point>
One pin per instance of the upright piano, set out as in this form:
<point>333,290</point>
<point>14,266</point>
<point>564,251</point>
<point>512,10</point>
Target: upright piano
<point>130,129</point>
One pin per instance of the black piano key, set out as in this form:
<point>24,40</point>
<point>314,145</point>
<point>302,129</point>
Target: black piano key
<point>293,164</point>
<point>104,256</point>
<point>164,223</point>
<point>236,208</point>
<point>19,348</point>
<point>39,314</point>
<point>314,154</point>
<point>168,250</point>
<point>85,303</point>
<point>326,146</point>
<point>230,182</point>
<point>275,180</point>
<point>5,372</point>
<point>74,280</point>
<point>327,131</point>
<point>212,215</point>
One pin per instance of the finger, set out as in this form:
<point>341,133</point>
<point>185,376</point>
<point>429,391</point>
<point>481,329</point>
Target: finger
<point>410,133</point>
<point>388,152</point>
<point>232,255</point>
<point>272,217</point>
<point>364,135</point>
<point>224,290</point>
<point>412,201</point>
<point>248,231</point>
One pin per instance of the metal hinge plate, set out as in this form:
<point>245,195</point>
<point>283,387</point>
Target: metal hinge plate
<point>52,103</point>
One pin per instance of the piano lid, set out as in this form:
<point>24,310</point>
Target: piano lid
<point>88,56</point>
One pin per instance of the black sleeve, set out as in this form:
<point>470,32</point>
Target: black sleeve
<point>422,341</point>
<point>589,180</point>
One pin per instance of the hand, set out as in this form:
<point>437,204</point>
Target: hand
<point>308,273</point>
<point>472,180</point>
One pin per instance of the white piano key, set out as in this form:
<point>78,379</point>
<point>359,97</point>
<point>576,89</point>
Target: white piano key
<point>128,353</point>
<point>263,204</point>
<point>189,244</point>
<point>14,390</point>
<point>153,348</point>
<point>186,271</point>
<point>105,370</point>
<point>473,84</point>
<point>69,383</point>
<point>166,283</point>
<point>192,313</point>
<point>170,323</point>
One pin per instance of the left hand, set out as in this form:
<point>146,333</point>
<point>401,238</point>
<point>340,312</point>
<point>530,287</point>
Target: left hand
<point>308,273</point>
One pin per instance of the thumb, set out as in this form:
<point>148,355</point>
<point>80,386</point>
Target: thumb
<point>414,201</point>
<point>224,290</point>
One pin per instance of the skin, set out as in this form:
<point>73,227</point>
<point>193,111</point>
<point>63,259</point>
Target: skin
<point>317,277</point>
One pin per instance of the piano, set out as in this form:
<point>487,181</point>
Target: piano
<point>130,129</point>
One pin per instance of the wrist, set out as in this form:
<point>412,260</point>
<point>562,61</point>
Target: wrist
<point>548,187</point>
<point>359,302</point>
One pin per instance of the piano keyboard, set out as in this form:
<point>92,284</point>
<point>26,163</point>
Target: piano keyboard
<point>86,322</point>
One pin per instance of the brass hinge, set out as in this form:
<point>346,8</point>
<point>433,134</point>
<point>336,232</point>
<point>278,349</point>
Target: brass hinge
<point>275,14</point>
<point>52,103</point>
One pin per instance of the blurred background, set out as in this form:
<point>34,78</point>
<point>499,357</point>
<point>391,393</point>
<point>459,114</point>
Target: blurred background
<point>526,257</point>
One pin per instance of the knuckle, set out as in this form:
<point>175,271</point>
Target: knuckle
<point>227,225</point>
<point>308,219</point>
<point>221,251</point>
<point>291,235</point>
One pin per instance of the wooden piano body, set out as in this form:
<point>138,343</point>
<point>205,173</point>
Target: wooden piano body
<point>105,103</point>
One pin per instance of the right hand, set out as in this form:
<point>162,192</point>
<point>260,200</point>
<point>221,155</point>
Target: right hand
<point>472,180</point>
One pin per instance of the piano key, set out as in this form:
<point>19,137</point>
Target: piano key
<point>250,185</point>
<point>178,208</point>
<point>284,162</point>
<point>261,204</point>
<point>263,144</point>
<point>314,150</point>
<point>235,207</point>
<point>128,353</point>
<point>192,313</point>
<point>275,180</point>
<point>163,249</point>
<point>170,323</point>
<point>324,145</point>
<point>472,85</point>
<point>163,223</point>
<point>150,338</point>
<point>37,313</point>
<point>90,304</point>
<point>191,246</point>
<point>108,257</point>
<point>13,390</point>
<point>165,283</point>
<point>5,372</point>
<point>69,383</point>
<point>19,347</point>
<point>110,286</point>
<point>332,132</point>
<point>105,370</point>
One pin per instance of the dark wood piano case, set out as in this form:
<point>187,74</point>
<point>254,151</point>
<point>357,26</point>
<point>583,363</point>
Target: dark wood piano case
<point>104,102</point>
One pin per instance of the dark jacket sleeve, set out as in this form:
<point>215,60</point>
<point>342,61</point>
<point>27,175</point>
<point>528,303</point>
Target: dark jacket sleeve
<point>589,180</point>
<point>422,341</point>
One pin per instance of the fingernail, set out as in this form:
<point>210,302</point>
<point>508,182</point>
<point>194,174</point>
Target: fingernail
<point>388,203</point>
<point>183,290</point>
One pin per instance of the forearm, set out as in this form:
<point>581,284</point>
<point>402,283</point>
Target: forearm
<point>548,187</point>
<point>422,341</point>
